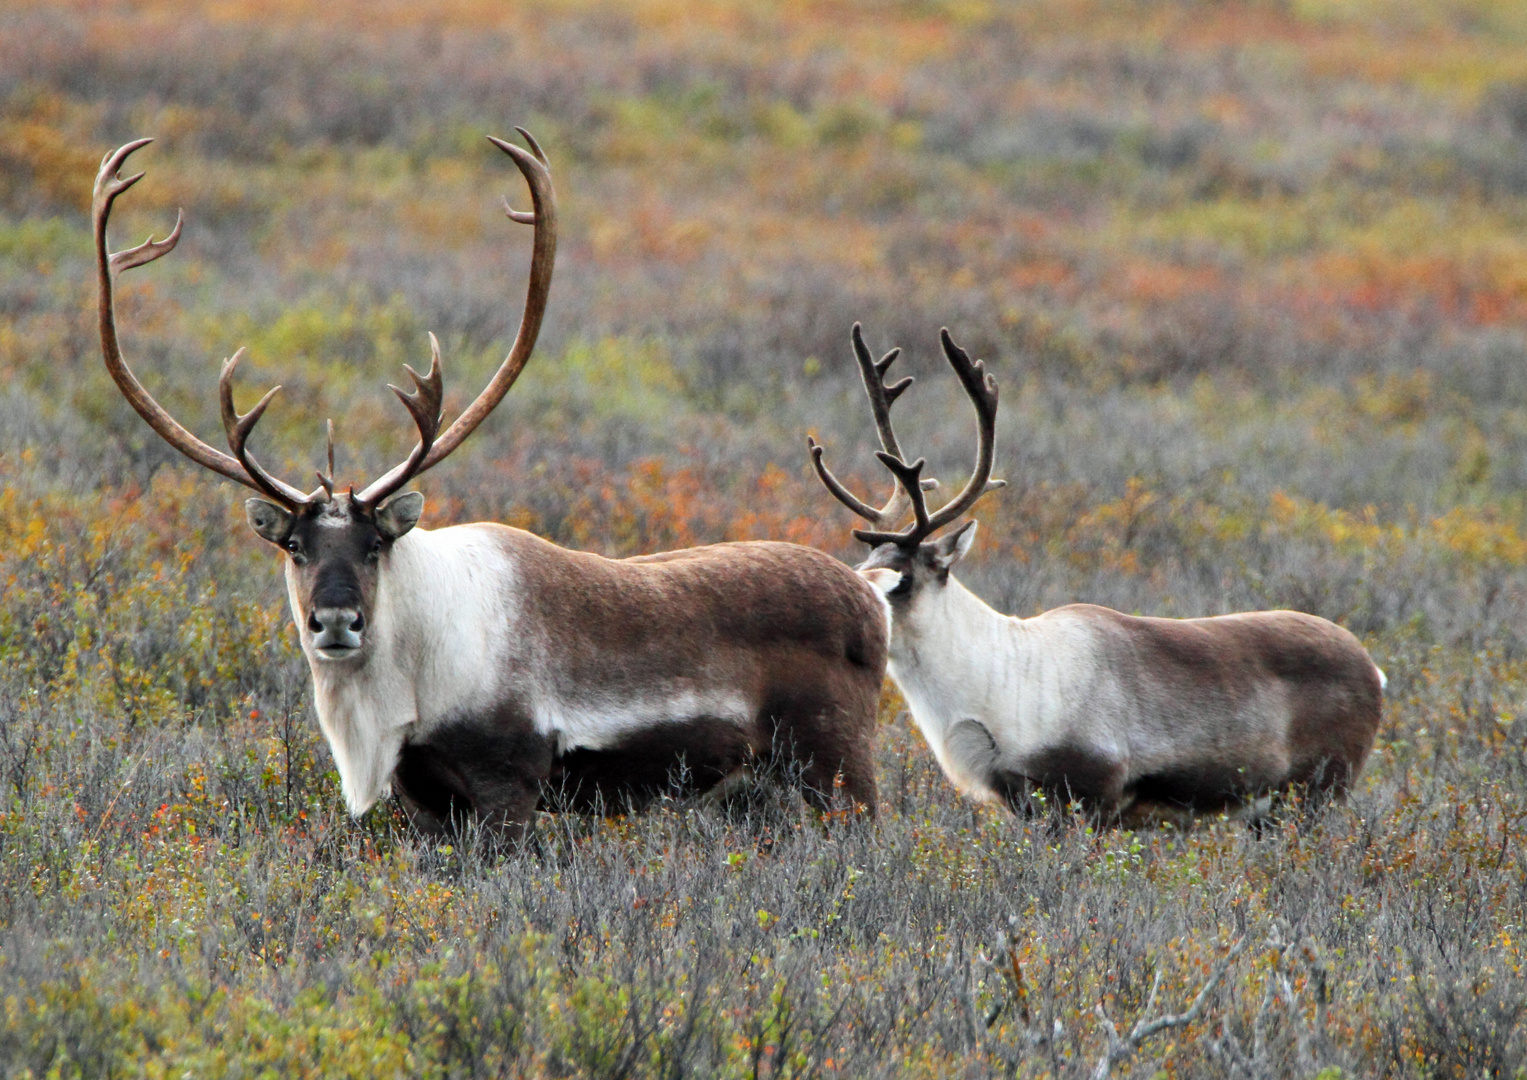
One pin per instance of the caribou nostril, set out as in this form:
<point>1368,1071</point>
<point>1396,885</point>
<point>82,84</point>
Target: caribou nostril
<point>359,624</point>
<point>313,623</point>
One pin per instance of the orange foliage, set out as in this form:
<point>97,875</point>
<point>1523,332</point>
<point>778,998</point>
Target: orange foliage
<point>651,506</point>
<point>46,154</point>
<point>1165,283</point>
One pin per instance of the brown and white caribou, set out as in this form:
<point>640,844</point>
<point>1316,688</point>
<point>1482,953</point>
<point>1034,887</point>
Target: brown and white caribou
<point>478,668</point>
<point>1136,718</point>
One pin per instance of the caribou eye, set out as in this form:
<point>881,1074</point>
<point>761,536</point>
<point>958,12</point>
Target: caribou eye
<point>375,552</point>
<point>293,546</point>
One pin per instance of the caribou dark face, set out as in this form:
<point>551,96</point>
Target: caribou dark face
<point>902,574</point>
<point>335,551</point>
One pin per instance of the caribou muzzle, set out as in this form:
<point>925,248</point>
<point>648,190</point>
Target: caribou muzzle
<point>336,631</point>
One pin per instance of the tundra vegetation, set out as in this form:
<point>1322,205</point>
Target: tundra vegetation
<point>1253,278</point>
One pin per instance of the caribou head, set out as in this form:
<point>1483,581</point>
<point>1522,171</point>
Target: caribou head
<point>335,542</point>
<point>335,549</point>
<point>904,564</point>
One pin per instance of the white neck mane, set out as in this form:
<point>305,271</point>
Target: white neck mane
<point>431,652</point>
<point>954,658</point>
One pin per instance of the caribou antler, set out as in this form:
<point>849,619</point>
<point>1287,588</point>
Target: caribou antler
<point>241,467</point>
<point>424,403</point>
<point>424,406</point>
<point>238,428</point>
<point>881,396</point>
<point>981,387</point>
<point>326,479</point>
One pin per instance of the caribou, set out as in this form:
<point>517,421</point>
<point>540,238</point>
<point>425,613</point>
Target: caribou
<point>480,671</point>
<point>1136,719</point>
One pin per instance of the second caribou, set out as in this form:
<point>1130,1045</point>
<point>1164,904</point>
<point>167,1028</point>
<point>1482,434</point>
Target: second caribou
<point>1135,718</point>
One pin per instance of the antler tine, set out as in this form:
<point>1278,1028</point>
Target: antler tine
<point>326,480</point>
<point>981,387</point>
<point>424,406</point>
<point>108,185</point>
<point>432,451</point>
<point>881,396</point>
<point>150,249</point>
<point>535,147</point>
<point>839,492</point>
<point>238,428</point>
<point>909,480</point>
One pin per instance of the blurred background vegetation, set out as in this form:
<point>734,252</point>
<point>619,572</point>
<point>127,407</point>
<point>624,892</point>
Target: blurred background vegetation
<point>1252,277</point>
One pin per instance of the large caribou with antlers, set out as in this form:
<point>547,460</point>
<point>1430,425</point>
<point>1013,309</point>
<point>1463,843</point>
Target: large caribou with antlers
<point>479,669</point>
<point>1137,719</point>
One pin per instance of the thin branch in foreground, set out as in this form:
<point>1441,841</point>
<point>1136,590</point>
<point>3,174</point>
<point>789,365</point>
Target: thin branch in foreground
<point>1122,1048</point>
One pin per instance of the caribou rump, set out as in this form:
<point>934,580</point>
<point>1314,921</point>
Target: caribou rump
<point>1137,719</point>
<point>480,671</point>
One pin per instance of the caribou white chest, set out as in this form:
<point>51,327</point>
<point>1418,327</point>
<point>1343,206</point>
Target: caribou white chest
<point>453,638</point>
<point>437,649</point>
<point>1030,683</point>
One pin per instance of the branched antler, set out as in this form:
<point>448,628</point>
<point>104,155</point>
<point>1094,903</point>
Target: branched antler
<point>881,396</point>
<point>238,428</point>
<point>980,387</point>
<point>432,449</point>
<point>424,406</point>
<point>423,403</point>
<point>109,183</point>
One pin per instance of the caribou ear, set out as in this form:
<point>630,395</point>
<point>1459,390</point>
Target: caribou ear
<point>397,515</point>
<point>948,550</point>
<point>269,521</point>
<point>883,579</point>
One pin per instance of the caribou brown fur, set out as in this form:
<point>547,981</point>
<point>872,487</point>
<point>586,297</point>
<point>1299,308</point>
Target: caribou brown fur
<point>479,671</point>
<point>1135,718</point>
<point>497,669</point>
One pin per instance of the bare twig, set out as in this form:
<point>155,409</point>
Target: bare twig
<point>1007,968</point>
<point>1123,1047</point>
<point>127,782</point>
